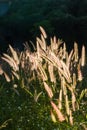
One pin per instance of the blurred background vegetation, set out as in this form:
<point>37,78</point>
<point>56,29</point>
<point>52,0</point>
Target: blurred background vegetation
<point>19,21</point>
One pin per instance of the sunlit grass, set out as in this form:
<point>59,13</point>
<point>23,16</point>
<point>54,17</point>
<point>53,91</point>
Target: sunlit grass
<point>53,74</point>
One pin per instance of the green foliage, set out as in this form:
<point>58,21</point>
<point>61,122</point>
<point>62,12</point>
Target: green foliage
<point>26,114</point>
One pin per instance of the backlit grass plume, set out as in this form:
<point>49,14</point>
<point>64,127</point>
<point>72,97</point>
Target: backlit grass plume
<point>58,71</point>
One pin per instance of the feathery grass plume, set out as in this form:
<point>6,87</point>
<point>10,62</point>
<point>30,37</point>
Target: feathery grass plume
<point>83,56</point>
<point>48,90</point>
<point>64,51</point>
<point>53,117</point>
<point>60,53</point>
<point>69,59</point>
<point>60,64</point>
<point>59,114</point>
<point>29,62</point>
<point>83,92</point>
<point>69,86</point>
<point>33,61</point>
<point>73,101</point>
<point>71,118</point>
<point>54,40</point>
<point>22,59</point>
<point>16,75</point>
<point>59,42</point>
<point>80,77</point>
<point>44,42</point>
<point>74,80</point>
<point>41,43</point>
<point>43,74</point>
<point>51,58</point>
<point>63,85</point>
<point>60,99</point>
<point>7,77</point>
<point>43,32</point>
<point>66,72</point>
<point>8,59</point>
<point>14,55</point>
<point>38,49</point>
<point>55,60</point>
<point>64,88</point>
<point>76,51</point>
<point>51,73</point>
<point>47,58</point>
<point>11,62</point>
<point>67,105</point>
<point>54,45</point>
<point>1,70</point>
<point>26,46</point>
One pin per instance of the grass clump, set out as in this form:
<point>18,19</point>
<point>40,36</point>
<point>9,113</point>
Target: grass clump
<point>54,81</point>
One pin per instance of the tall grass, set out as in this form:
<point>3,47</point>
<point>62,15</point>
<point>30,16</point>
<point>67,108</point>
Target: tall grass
<point>59,72</point>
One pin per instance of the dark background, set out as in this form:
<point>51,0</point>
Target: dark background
<point>20,21</point>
